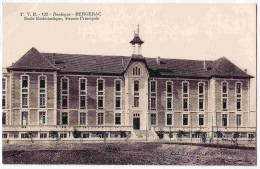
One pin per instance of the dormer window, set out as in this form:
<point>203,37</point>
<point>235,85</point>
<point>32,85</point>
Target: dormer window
<point>136,71</point>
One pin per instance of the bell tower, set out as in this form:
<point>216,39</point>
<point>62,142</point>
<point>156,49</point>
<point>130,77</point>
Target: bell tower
<point>137,43</point>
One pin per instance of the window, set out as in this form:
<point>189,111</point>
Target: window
<point>136,71</point>
<point>136,86</point>
<point>238,104</point>
<point>24,135</point>
<point>25,91</point>
<point>169,95</point>
<point>136,101</point>
<point>64,118</point>
<point>224,95</point>
<point>42,117</point>
<point>64,93</point>
<point>201,95</point>
<point>4,93</point>
<point>4,118</point>
<point>224,119</point>
<point>238,95</point>
<point>153,95</point>
<point>24,118</point>
<point>42,91</point>
<point>4,135</point>
<point>185,104</point>
<point>85,135</point>
<point>82,120</point>
<point>83,93</point>
<point>169,119</point>
<point>185,119</point>
<point>153,119</point>
<point>100,94</point>
<point>238,120</point>
<point>185,95</point>
<point>118,118</point>
<point>100,118</point>
<point>201,120</point>
<point>118,94</point>
<point>224,104</point>
<point>63,135</point>
<point>43,135</point>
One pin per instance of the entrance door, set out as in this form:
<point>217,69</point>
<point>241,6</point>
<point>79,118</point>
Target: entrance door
<point>136,123</point>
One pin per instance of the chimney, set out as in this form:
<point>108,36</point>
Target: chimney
<point>158,60</point>
<point>245,70</point>
<point>123,61</point>
<point>204,65</point>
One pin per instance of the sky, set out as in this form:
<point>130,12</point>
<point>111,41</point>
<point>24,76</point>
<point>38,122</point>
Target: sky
<point>180,31</point>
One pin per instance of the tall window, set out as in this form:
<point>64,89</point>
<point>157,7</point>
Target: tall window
<point>25,91</point>
<point>224,95</point>
<point>136,93</point>
<point>4,93</point>
<point>24,118</point>
<point>238,119</point>
<point>224,119</point>
<point>185,119</point>
<point>169,86</point>
<point>136,71</point>
<point>100,118</point>
<point>153,119</point>
<point>100,94</point>
<point>238,95</point>
<point>201,95</point>
<point>42,91</point>
<point>169,119</point>
<point>153,95</point>
<point>118,94</point>
<point>82,119</point>
<point>185,95</point>
<point>64,118</point>
<point>83,93</point>
<point>4,118</point>
<point>201,119</point>
<point>42,117</point>
<point>64,93</point>
<point>118,118</point>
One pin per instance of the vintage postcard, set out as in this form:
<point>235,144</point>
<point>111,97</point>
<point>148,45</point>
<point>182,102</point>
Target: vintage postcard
<point>129,84</point>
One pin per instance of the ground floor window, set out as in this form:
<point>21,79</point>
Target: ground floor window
<point>4,118</point>
<point>85,135</point>
<point>153,119</point>
<point>118,118</point>
<point>63,135</point>
<point>82,119</point>
<point>42,117</point>
<point>24,118</point>
<point>43,135</point>
<point>24,135</point>
<point>238,120</point>
<point>4,135</point>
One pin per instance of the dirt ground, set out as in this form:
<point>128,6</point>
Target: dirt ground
<point>126,154</point>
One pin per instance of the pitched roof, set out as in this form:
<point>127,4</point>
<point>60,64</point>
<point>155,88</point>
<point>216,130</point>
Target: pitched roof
<point>33,59</point>
<point>136,40</point>
<point>117,65</point>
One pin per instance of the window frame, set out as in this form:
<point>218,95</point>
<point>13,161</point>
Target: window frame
<point>201,96</point>
<point>42,111</point>
<point>118,94</point>
<point>21,117</point>
<point>4,92</point>
<point>79,120</point>
<point>98,118</point>
<point>5,118</point>
<point>64,92</point>
<point>68,118</point>
<point>188,121</point>
<point>239,95</point>
<point>200,114</point>
<point>166,119</point>
<point>83,93</point>
<point>120,118</point>
<point>100,94</point>
<point>154,120</point>
<point>223,119</point>
<point>241,119</point>
<point>25,91</point>
<point>42,91</point>
<point>185,95</point>
<point>224,95</point>
<point>169,95</point>
<point>153,95</point>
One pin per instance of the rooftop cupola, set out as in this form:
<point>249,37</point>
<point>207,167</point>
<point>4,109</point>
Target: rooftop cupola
<point>137,42</point>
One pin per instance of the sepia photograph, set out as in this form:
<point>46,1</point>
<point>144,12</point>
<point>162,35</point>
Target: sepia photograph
<point>129,84</point>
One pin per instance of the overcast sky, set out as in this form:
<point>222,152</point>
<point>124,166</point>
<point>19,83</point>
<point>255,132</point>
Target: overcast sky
<point>183,31</point>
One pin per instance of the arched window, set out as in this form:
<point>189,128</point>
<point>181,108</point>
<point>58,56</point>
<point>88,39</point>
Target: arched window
<point>136,71</point>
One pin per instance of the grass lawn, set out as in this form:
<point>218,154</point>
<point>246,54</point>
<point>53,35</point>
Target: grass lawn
<point>127,153</point>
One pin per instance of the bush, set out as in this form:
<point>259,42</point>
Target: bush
<point>76,134</point>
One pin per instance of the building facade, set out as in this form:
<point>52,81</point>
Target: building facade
<point>51,96</point>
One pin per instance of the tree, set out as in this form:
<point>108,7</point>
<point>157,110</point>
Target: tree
<point>180,134</point>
